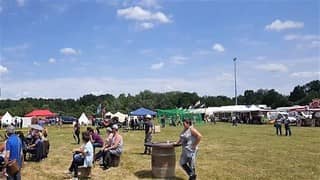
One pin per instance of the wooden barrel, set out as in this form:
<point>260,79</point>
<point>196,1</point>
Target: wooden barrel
<point>163,162</point>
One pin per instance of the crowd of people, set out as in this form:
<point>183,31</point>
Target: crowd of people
<point>35,145</point>
<point>112,146</point>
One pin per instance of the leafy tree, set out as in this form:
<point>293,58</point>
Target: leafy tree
<point>175,99</point>
<point>297,93</point>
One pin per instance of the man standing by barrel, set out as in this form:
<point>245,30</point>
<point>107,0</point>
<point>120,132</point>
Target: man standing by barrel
<point>148,134</point>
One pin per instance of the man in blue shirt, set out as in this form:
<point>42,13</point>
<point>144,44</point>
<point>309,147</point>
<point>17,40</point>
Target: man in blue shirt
<point>13,151</point>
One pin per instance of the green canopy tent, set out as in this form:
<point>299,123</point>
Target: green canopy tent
<point>175,116</point>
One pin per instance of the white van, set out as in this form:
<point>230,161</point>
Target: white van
<point>274,115</point>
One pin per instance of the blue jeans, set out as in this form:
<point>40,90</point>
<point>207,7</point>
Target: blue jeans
<point>15,177</point>
<point>78,160</point>
<point>188,161</point>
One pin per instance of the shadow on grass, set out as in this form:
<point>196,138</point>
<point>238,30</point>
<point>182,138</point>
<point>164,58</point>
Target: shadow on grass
<point>147,174</point>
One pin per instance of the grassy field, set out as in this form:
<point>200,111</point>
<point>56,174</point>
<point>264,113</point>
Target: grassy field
<point>243,152</point>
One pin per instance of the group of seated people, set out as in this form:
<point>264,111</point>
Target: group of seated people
<point>35,145</point>
<point>85,156</point>
<point>111,149</point>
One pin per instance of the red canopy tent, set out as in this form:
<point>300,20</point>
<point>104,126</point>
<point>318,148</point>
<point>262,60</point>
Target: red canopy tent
<point>39,112</point>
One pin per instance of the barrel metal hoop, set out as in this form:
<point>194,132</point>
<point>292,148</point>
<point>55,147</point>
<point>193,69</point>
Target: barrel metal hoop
<point>163,155</point>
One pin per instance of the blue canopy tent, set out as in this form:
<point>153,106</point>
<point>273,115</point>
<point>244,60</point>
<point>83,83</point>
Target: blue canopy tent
<point>142,112</point>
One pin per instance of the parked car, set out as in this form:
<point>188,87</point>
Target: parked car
<point>291,117</point>
<point>67,119</point>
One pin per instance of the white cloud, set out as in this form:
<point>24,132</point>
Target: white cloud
<point>218,47</point>
<point>278,25</point>
<point>157,66</point>
<point>139,14</point>
<point>36,63</point>
<point>178,59</point>
<point>69,51</point>
<point>146,25</point>
<point>290,37</point>
<point>306,75</point>
<point>52,60</point>
<point>3,69</point>
<point>308,45</point>
<point>272,67</point>
<point>25,88</point>
<point>21,2</point>
<point>221,77</point>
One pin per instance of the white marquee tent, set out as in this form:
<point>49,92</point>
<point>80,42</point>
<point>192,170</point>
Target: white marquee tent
<point>108,114</point>
<point>6,119</point>
<point>83,119</point>
<point>235,108</point>
<point>26,121</point>
<point>121,116</point>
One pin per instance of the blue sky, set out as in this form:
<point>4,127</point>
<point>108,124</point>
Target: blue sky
<point>68,48</point>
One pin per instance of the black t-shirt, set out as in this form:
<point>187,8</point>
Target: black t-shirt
<point>77,128</point>
<point>148,125</point>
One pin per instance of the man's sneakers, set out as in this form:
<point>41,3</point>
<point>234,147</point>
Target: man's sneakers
<point>193,177</point>
<point>105,167</point>
<point>68,172</point>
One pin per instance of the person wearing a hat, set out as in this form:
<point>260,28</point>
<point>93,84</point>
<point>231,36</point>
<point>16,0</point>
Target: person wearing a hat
<point>148,134</point>
<point>189,140</point>
<point>114,149</point>
<point>107,143</point>
<point>13,151</point>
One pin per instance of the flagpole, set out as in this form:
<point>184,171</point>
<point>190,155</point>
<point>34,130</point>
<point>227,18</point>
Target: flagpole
<point>235,80</point>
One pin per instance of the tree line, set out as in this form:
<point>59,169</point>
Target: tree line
<point>300,95</point>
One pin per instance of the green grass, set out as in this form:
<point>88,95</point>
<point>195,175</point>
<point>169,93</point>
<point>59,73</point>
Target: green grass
<point>225,152</point>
